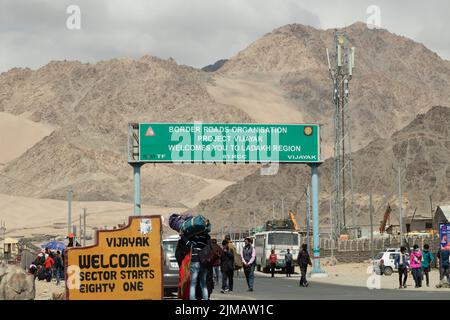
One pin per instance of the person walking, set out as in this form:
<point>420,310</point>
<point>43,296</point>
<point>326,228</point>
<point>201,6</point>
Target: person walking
<point>197,270</point>
<point>427,260</point>
<point>303,260</point>
<point>227,268</point>
<point>58,267</point>
<point>216,262</point>
<point>237,257</point>
<point>248,255</point>
<point>444,264</point>
<point>273,262</point>
<point>288,261</point>
<point>415,264</point>
<point>401,263</point>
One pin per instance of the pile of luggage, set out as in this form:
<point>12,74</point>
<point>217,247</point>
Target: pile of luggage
<point>282,224</point>
<point>187,225</point>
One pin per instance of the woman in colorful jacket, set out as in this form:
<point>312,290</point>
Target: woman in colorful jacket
<point>415,265</point>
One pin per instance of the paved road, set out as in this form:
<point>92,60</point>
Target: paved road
<point>281,288</point>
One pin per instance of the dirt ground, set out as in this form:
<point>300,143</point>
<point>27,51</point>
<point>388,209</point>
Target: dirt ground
<point>45,290</point>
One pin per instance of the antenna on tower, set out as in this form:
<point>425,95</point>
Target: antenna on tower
<point>341,63</point>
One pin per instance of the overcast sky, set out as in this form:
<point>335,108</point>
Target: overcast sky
<point>193,32</point>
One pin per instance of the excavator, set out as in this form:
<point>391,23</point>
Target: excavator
<point>283,224</point>
<point>386,216</point>
<point>294,221</point>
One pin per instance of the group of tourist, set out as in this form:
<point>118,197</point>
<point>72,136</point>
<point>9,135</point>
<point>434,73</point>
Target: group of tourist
<point>48,265</point>
<point>419,263</point>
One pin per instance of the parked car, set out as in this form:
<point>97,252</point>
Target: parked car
<point>384,262</point>
<point>170,265</point>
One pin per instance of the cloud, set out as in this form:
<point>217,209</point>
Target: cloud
<point>193,32</point>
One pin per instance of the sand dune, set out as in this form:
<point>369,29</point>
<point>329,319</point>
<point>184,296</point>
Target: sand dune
<point>17,135</point>
<point>261,99</point>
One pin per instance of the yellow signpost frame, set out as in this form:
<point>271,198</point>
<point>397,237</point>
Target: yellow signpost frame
<point>124,264</point>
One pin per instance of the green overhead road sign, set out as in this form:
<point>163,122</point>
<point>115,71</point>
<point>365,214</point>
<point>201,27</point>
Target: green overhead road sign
<point>225,142</point>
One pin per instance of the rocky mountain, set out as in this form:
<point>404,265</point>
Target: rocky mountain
<point>422,147</point>
<point>215,66</point>
<point>89,105</point>
<point>394,79</point>
<point>281,77</point>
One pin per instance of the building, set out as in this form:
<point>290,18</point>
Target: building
<point>417,223</point>
<point>9,248</point>
<point>442,215</point>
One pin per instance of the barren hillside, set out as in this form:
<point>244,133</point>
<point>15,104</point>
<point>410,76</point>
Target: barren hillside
<point>281,77</point>
<point>395,79</point>
<point>423,147</point>
<point>89,106</point>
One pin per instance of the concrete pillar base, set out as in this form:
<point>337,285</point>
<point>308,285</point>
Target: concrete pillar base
<point>318,274</point>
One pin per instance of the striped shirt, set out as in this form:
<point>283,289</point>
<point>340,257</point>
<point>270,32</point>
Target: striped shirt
<point>197,243</point>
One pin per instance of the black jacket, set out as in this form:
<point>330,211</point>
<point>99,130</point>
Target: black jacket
<point>182,250</point>
<point>227,261</point>
<point>303,259</point>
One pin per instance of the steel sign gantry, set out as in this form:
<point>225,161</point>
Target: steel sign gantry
<point>228,143</point>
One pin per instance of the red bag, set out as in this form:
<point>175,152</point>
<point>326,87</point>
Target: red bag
<point>184,279</point>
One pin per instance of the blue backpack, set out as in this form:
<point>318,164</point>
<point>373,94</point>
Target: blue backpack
<point>195,225</point>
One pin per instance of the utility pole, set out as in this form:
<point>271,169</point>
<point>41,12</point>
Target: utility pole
<point>432,213</point>
<point>69,210</point>
<point>3,232</point>
<point>282,208</point>
<point>75,234</point>
<point>371,225</point>
<point>84,227</point>
<point>331,229</point>
<point>273,211</point>
<point>80,231</point>
<point>399,173</point>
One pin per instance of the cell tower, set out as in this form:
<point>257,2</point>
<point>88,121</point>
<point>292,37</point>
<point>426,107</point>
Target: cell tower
<point>340,65</point>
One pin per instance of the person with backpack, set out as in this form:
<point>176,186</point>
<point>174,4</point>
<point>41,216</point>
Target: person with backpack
<point>216,262</point>
<point>288,263</point>
<point>193,259</point>
<point>444,264</point>
<point>248,255</point>
<point>415,265</point>
<point>303,260</point>
<point>427,260</point>
<point>273,262</point>
<point>401,263</point>
<point>227,267</point>
<point>198,270</point>
<point>237,257</point>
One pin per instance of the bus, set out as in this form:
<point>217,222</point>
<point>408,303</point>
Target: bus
<point>280,241</point>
